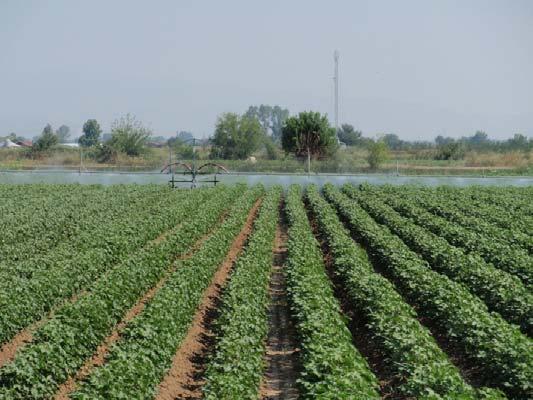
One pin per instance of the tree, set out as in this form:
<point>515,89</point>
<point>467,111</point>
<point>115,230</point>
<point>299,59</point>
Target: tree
<point>278,118</point>
<point>184,136</point>
<point>440,140</point>
<point>128,135</point>
<point>47,139</point>
<point>63,132</point>
<point>392,141</point>
<point>270,118</point>
<point>479,139</point>
<point>182,150</point>
<point>308,135</point>
<point>378,154</point>
<point>349,136</point>
<point>91,133</point>
<point>236,137</point>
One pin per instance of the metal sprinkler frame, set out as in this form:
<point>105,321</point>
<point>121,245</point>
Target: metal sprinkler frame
<point>191,169</point>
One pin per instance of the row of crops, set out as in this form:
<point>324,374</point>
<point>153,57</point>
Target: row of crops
<point>394,292</point>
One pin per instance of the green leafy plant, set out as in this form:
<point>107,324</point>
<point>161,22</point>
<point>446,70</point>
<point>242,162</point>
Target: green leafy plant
<point>420,367</point>
<point>501,291</point>
<point>500,350</point>
<point>237,366</point>
<point>332,368</point>
<point>149,342</point>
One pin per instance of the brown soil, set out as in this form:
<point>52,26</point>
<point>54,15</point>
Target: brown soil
<point>281,358</point>
<point>184,380</point>
<point>102,351</point>
<point>8,350</point>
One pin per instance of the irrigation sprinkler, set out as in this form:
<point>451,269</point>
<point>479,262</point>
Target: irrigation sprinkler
<point>191,169</point>
<point>194,172</point>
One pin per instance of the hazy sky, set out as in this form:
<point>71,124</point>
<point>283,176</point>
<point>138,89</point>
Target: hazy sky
<point>415,68</point>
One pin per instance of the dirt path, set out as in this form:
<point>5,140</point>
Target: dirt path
<point>184,380</point>
<point>102,351</point>
<point>279,381</point>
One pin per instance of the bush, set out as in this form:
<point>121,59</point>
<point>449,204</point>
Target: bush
<point>450,151</point>
<point>378,154</point>
<point>47,140</point>
<point>129,136</point>
<point>105,153</point>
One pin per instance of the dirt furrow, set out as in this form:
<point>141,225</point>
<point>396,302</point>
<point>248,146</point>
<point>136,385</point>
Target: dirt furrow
<point>184,380</point>
<point>102,351</point>
<point>281,358</point>
<point>357,324</point>
<point>25,336</point>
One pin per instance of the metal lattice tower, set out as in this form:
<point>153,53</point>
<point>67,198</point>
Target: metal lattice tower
<point>336,88</point>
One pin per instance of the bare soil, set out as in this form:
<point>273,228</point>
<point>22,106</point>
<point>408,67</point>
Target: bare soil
<point>99,356</point>
<point>282,352</point>
<point>184,380</point>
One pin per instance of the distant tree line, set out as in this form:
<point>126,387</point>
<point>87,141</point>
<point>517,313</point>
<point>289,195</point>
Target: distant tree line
<point>269,132</point>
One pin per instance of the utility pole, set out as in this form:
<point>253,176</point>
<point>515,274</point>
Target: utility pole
<point>336,83</point>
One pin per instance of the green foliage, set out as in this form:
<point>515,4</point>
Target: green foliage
<point>499,349</point>
<point>236,368</point>
<point>182,150</point>
<point>45,280</point>
<point>149,342</point>
<point>271,118</point>
<point>309,133</point>
<point>63,133</point>
<point>184,136</point>
<point>91,133</point>
<point>47,140</point>
<point>409,351</point>
<point>508,258</point>
<point>332,368</point>
<point>55,355</point>
<point>129,136</point>
<point>349,136</point>
<point>271,148</point>
<point>236,137</point>
<point>378,154</point>
<point>105,153</point>
<point>501,291</point>
<point>484,207</point>
<point>450,151</point>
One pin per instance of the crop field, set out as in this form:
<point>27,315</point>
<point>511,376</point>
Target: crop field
<point>239,292</point>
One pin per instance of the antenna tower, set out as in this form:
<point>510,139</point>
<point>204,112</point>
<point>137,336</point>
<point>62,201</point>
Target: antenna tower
<point>336,83</point>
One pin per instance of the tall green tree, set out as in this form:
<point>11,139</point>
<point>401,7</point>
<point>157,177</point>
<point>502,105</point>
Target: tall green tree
<point>63,133</point>
<point>236,137</point>
<point>309,135</point>
<point>128,135</point>
<point>271,118</point>
<point>349,136</point>
<point>47,139</point>
<point>91,133</point>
